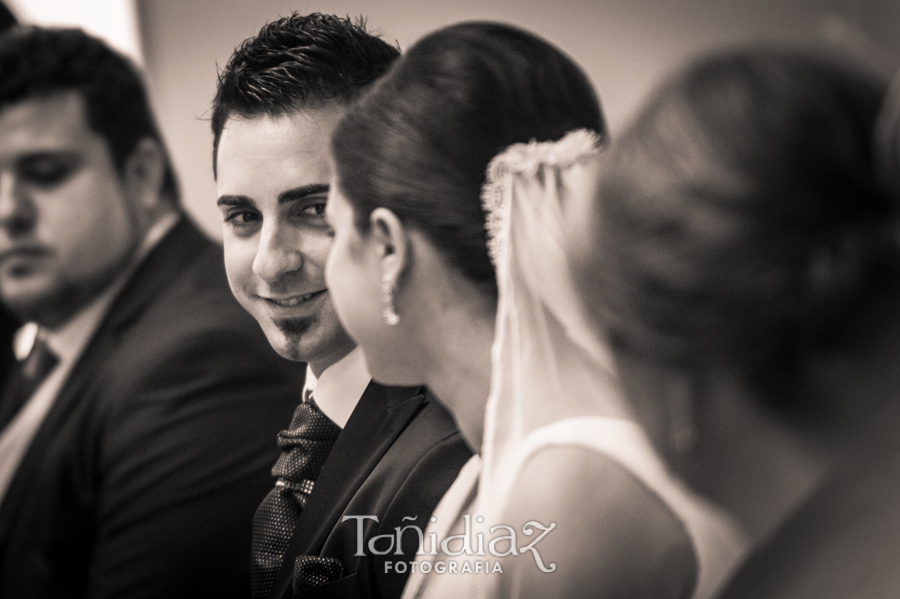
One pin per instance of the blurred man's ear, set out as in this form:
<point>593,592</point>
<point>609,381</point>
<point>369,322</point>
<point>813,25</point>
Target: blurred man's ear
<point>144,174</point>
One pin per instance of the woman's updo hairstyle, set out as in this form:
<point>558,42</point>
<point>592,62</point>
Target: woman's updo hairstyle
<point>741,220</point>
<point>420,141</point>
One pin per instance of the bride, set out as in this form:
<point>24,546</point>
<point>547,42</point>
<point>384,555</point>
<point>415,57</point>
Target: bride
<point>485,135</point>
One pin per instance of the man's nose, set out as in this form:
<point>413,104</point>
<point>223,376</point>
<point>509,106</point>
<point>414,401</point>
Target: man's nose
<point>17,211</point>
<point>278,253</point>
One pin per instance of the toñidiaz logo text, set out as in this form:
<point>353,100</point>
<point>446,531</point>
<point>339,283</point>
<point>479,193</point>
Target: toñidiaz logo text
<point>502,542</point>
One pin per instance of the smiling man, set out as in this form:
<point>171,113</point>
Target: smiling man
<point>273,182</point>
<point>135,436</point>
<point>359,459</point>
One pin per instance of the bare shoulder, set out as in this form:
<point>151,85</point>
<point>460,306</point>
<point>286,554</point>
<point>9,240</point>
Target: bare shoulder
<point>612,536</point>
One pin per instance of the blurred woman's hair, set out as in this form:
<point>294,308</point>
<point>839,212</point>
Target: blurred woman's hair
<point>741,222</point>
<point>419,143</point>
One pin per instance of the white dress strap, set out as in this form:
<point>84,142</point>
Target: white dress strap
<point>718,541</point>
<point>445,515</point>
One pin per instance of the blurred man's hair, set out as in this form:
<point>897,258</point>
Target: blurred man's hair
<point>297,62</point>
<point>7,19</point>
<point>38,62</point>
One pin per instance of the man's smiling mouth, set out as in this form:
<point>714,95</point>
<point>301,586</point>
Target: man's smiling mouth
<point>295,300</point>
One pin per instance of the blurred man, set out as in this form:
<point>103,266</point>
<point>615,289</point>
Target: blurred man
<point>134,439</point>
<point>387,454</point>
<point>8,322</point>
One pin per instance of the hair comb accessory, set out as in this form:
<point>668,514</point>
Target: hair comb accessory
<point>527,159</point>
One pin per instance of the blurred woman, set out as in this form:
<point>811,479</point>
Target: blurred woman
<point>571,500</point>
<point>743,257</point>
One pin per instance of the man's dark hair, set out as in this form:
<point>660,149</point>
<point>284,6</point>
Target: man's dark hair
<point>38,62</point>
<point>295,62</point>
<point>7,19</point>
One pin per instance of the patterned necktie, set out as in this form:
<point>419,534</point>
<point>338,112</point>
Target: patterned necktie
<point>26,379</point>
<point>304,448</point>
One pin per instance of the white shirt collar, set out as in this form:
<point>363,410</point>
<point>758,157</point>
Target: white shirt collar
<point>340,387</point>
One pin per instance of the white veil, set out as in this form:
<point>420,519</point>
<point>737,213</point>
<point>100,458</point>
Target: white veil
<point>548,362</point>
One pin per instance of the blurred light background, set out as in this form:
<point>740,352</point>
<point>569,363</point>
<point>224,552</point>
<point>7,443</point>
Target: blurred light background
<point>625,46</point>
<point>114,20</point>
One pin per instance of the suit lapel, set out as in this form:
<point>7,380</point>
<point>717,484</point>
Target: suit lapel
<point>174,254</point>
<point>379,418</point>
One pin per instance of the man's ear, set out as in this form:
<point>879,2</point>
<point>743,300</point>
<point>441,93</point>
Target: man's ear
<point>392,240</point>
<point>145,171</point>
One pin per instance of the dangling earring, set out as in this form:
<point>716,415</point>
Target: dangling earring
<point>387,297</point>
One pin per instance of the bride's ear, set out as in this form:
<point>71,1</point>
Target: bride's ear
<point>393,244</point>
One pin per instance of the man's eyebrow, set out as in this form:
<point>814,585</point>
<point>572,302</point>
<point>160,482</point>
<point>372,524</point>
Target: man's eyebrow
<point>230,200</point>
<point>298,193</point>
<point>38,155</point>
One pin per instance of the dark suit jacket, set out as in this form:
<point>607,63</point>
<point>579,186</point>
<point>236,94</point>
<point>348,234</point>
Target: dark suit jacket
<point>8,327</point>
<point>143,479</point>
<point>396,457</point>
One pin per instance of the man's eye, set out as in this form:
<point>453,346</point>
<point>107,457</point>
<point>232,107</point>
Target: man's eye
<point>47,172</point>
<point>317,209</point>
<point>241,218</point>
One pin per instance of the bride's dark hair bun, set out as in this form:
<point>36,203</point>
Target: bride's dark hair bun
<point>420,142</point>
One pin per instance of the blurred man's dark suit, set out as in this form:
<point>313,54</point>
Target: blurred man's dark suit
<point>143,479</point>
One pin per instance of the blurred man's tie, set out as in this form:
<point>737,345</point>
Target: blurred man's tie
<point>25,379</point>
